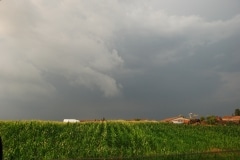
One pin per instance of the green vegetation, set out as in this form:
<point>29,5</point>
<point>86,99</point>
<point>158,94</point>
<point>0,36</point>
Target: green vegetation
<point>237,112</point>
<point>54,140</point>
<point>211,120</point>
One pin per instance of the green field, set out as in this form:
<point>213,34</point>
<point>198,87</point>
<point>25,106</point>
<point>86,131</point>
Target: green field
<point>57,140</point>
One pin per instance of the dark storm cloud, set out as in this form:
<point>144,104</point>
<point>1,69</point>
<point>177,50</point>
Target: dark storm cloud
<point>184,68</point>
<point>118,59</point>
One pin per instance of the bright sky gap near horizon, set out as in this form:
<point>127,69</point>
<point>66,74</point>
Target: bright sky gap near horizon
<point>118,59</point>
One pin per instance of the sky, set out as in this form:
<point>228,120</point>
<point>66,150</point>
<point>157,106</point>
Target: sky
<point>118,59</point>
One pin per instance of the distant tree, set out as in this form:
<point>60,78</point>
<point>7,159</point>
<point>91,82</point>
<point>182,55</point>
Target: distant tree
<point>103,119</point>
<point>237,112</point>
<point>202,118</point>
<point>137,119</point>
<point>211,120</point>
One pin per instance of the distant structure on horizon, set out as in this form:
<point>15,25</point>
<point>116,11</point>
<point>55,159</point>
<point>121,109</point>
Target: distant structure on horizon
<point>71,120</point>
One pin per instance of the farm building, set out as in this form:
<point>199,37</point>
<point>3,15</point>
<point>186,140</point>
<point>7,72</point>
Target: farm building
<point>235,119</point>
<point>71,120</point>
<point>177,120</point>
<point>180,120</point>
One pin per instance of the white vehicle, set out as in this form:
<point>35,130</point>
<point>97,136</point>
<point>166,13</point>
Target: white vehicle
<point>71,120</point>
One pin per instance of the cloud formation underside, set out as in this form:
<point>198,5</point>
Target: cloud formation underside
<point>36,42</point>
<point>131,52</point>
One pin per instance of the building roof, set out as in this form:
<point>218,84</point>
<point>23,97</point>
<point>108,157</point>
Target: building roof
<point>169,119</point>
<point>174,118</point>
<point>231,118</point>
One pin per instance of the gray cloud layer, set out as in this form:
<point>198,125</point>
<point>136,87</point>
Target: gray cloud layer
<point>118,59</point>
